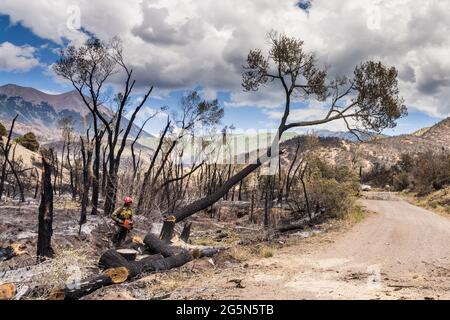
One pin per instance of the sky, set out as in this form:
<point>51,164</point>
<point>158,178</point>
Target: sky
<point>179,45</point>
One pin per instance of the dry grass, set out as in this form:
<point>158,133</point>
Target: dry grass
<point>438,201</point>
<point>65,203</point>
<point>161,284</point>
<point>240,253</point>
<point>356,214</point>
<point>267,252</point>
<point>68,266</point>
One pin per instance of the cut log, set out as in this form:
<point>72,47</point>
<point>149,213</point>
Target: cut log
<point>128,254</point>
<point>118,275</point>
<point>132,244</point>
<point>137,240</point>
<point>156,245</point>
<point>154,257</point>
<point>57,295</point>
<point>87,286</point>
<point>12,251</point>
<point>109,277</point>
<point>198,251</point>
<point>120,269</point>
<point>111,259</point>
<point>7,291</point>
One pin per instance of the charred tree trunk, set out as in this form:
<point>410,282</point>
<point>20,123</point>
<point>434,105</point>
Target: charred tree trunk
<point>95,180</point>
<point>71,173</point>
<point>168,228</point>
<point>5,150</point>
<point>186,233</point>
<point>16,176</point>
<point>266,208</point>
<point>111,187</point>
<point>208,201</point>
<point>252,209</point>
<point>62,168</point>
<point>86,153</point>
<point>148,174</point>
<point>45,231</point>
<point>305,192</point>
<point>36,188</point>
<point>105,170</point>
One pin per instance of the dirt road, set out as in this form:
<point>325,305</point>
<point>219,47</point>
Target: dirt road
<point>400,252</point>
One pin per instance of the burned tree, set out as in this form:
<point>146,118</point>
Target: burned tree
<point>86,156</point>
<point>367,102</point>
<point>193,111</point>
<point>6,148</point>
<point>88,68</point>
<point>45,230</point>
<point>66,125</point>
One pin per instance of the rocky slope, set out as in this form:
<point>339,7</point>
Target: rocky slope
<point>384,151</point>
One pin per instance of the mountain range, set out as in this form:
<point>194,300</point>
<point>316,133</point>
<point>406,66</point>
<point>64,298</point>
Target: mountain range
<point>40,112</point>
<point>384,151</point>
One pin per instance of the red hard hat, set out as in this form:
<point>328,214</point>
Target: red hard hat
<point>128,200</point>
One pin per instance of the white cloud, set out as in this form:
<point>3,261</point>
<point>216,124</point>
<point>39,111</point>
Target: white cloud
<point>176,44</point>
<point>17,59</point>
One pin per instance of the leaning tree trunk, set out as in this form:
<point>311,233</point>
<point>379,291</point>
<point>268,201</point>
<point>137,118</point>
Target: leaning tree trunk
<point>208,201</point>
<point>45,230</point>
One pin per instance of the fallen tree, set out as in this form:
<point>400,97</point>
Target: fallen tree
<point>121,267</point>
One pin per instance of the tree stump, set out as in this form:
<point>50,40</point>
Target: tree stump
<point>7,291</point>
<point>168,229</point>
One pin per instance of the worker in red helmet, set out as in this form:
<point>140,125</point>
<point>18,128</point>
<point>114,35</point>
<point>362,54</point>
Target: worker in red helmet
<point>123,217</point>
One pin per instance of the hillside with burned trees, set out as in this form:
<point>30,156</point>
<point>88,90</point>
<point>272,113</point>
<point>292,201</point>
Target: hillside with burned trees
<point>205,228</point>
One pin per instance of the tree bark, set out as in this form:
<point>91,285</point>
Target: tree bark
<point>208,201</point>
<point>6,150</point>
<point>86,154</point>
<point>166,257</point>
<point>45,230</point>
<point>186,233</point>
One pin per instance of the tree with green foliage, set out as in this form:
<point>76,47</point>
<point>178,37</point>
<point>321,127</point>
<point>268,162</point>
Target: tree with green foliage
<point>29,141</point>
<point>3,132</point>
<point>369,101</point>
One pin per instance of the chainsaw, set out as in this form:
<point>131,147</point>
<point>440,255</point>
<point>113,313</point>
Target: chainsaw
<point>127,224</point>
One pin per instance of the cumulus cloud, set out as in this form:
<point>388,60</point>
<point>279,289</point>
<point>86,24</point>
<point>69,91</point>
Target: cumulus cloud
<point>17,59</point>
<point>177,44</point>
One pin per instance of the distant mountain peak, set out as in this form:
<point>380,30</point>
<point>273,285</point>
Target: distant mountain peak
<point>41,111</point>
